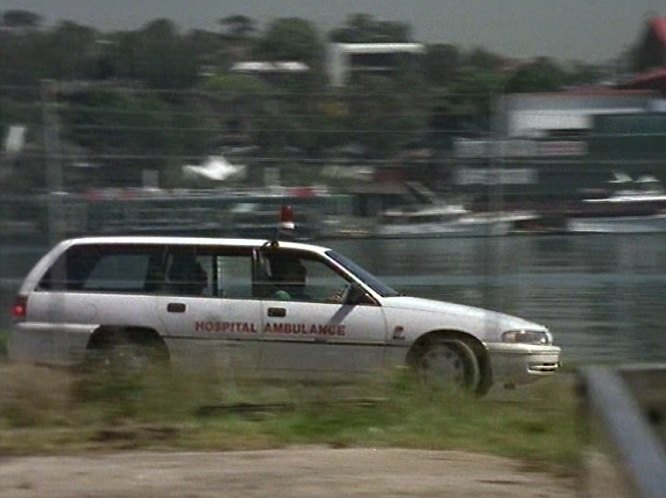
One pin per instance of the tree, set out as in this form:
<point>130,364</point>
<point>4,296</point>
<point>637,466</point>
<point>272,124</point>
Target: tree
<point>207,49</point>
<point>24,57</point>
<point>441,64</point>
<point>21,19</point>
<point>161,57</point>
<point>291,38</point>
<point>73,52</point>
<point>238,27</point>
<point>126,132</point>
<point>228,88</point>
<point>384,113</point>
<point>364,28</point>
<point>294,39</point>
<point>483,59</point>
<point>239,100</point>
<point>582,73</point>
<point>471,98</point>
<point>542,75</point>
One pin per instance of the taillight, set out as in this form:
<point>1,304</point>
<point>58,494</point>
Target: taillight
<point>20,308</point>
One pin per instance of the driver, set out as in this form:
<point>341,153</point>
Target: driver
<point>289,276</point>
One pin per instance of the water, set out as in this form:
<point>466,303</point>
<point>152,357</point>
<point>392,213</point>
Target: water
<point>601,295</point>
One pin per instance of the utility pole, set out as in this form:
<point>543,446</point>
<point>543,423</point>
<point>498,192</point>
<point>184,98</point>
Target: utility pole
<point>495,244</point>
<point>498,140</point>
<point>53,161</point>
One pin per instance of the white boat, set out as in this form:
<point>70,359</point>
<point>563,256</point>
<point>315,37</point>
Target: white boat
<point>639,206</point>
<point>646,191</point>
<point>433,224</point>
<point>437,218</point>
<point>619,224</point>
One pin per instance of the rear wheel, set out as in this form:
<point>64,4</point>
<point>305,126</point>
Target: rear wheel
<point>449,364</point>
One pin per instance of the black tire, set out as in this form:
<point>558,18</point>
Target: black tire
<point>449,364</point>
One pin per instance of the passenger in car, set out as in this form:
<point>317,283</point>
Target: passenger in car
<point>186,276</point>
<point>290,280</point>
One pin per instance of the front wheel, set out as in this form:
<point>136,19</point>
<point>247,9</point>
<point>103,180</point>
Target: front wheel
<point>449,364</point>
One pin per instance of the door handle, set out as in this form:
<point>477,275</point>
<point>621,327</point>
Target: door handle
<point>277,312</point>
<point>176,307</point>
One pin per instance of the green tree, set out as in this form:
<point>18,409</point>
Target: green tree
<point>441,64</point>
<point>583,73</point>
<point>239,100</point>
<point>385,113</point>
<point>481,58</point>
<point>24,49</point>
<point>73,52</point>
<point>542,75</point>
<point>293,39</point>
<point>124,131</point>
<point>364,28</point>
<point>238,36</point>
<point>229,88</point>
<point>208,50</point>
<point>238,27</point>
<point>21,19</point>
<point>160,57</point>
<point>471,97</point>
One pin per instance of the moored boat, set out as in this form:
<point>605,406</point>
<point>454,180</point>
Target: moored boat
<point>637,206</point>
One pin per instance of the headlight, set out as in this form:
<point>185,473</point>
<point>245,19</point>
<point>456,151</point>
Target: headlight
<point>527,337</point>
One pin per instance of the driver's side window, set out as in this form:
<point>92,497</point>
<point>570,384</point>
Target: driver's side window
<point>295,276</point>
<point>323,284</point>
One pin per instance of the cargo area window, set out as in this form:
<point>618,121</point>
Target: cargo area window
<point>106,268</point>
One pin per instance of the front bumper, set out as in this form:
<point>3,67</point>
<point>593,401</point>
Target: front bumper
<point>515,364</point>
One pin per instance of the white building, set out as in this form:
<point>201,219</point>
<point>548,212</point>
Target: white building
<point>345,59</point>
<point>539,115</point>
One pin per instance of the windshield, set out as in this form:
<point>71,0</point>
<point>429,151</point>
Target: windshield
<point>366,277</point>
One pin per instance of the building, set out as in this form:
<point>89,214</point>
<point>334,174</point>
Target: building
<point>271,71</point>
<point>654,80</point>
<point>650,54</point>
<point>566,114</point>
<point>347,59</point>
<point>651,49</point>
<point>552,147</point>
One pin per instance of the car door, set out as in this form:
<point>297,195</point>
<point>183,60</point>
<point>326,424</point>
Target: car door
<point>311,331</point>
<point>208,310</point>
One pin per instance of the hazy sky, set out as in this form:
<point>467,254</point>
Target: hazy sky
<point>589,30</point>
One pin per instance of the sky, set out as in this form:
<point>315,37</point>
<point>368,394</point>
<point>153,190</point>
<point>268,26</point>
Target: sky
<point>592,31</point>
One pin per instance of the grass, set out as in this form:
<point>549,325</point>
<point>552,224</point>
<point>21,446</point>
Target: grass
<point>46,410</point>
<point>4,335</point>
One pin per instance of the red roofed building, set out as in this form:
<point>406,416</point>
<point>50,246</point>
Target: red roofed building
<point>650,59</point>
<point>650,80</point>
<point>651,50</point>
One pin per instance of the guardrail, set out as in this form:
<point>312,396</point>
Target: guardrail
<point>625,423</point>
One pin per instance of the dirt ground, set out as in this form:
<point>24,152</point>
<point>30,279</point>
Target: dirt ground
<point>311,472</point>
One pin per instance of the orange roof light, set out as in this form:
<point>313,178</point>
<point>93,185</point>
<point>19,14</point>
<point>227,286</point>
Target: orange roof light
<point>287,218</point>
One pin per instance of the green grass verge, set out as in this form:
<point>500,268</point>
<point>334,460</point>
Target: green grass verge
<point>46,410</point>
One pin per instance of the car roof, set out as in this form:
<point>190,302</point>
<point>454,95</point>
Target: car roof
<point>198,241</point>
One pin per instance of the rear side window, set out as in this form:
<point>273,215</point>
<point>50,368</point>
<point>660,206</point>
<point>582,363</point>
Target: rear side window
<point>209,271</point>
<point>112,268</point>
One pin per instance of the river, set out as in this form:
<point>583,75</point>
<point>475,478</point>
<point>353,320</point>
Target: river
<point>602,296</point>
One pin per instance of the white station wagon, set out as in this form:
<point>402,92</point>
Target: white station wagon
<point>275,309</point>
